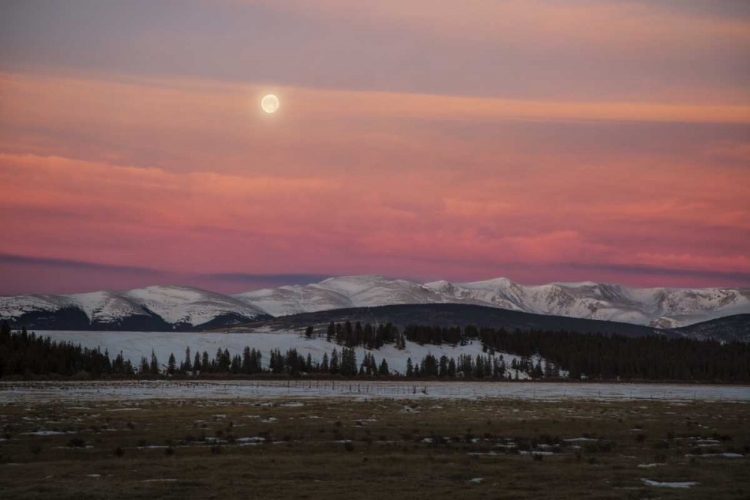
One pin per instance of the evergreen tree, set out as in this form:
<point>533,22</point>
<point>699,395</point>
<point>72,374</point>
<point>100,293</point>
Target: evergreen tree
<point>144,367</point>
<point>443,371</point>
<point>172,364</point>
<point>537,371</point>
<point>154,366</point>
<point>247,360</point>
<point>383,371</point>
<point>334,362</point>
<point>205,363</point>
<point>452,368</point>
<point>187,366</point>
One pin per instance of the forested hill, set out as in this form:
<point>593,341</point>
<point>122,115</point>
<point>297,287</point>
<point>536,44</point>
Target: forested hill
<point>729,328</point>
<point>447,315</point>
<point>445,353</point>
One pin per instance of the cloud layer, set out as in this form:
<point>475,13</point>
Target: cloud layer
<point>420,157</point>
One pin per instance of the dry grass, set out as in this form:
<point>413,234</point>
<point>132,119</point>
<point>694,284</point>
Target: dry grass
<point>335,448</point>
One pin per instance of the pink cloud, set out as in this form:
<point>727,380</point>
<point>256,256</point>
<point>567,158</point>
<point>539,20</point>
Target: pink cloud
<point>187,177</point>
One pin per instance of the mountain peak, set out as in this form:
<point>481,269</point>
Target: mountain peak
<point>177,304</point>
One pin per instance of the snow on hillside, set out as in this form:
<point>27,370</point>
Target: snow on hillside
<point>135,345</point>
<point>106,306</point>
<point>372,291</point>
<point>295,299</point>
<point>658,307</point>
<point>16,305</point>
<point>339,293</point>
<point>661,307</point>
<point>189,305</point>
<point>175,304</point>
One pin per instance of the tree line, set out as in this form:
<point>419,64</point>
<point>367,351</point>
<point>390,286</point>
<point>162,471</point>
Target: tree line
<point>580,355</point>
<point>652,357</point>
<point>565,354</point>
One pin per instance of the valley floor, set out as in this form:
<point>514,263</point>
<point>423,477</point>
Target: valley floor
<point>94,440</point>
<point>363,389</point>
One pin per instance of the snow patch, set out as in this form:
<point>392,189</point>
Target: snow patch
<point>658,484</point>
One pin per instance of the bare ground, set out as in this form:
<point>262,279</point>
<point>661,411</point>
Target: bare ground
<point>382,448</point>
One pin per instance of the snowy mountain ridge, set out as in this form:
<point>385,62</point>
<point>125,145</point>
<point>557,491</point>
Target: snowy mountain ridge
<point>179,305</point>
<point>657,307</point>
<point>171,305</point>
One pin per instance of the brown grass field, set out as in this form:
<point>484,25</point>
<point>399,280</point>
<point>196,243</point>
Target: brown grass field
<point>380,449</point>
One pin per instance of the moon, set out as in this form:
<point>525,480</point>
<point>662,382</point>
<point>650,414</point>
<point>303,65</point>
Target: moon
<point>270,103</point>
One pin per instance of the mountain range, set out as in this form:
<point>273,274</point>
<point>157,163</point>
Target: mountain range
<point>186,308</point>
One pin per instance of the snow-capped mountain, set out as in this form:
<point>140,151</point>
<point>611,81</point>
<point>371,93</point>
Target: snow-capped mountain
<point>340,293</point>
<point>158,307</point>
<point>658,307</point>
<point>179,307</point>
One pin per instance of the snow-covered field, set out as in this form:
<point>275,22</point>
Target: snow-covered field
<point>40,392</point>
<point>134,345</point>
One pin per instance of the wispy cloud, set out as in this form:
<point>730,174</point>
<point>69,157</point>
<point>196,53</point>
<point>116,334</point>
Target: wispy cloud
<point>9,259</point>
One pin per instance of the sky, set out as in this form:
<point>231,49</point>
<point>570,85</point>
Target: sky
<point>538,140</point>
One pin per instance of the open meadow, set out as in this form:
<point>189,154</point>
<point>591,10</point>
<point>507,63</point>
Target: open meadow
<point>282,444</point>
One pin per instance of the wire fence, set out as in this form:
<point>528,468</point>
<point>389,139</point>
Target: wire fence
<point>192,389</point>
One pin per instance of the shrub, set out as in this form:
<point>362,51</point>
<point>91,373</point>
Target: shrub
<point>76,442</point>
<point>602,446</point>
<point>661,445</point>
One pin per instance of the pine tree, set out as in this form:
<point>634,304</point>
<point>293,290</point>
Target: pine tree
<point>409,368</point>
<point>205,363</point>
<point>187,367</point>
<point>537,371</point>
<point>334,361</point>
<point>171,364</point>
<point>144,368</point>
<point>154,366</point>
<point>443,372</point>
<point>383,371</point>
